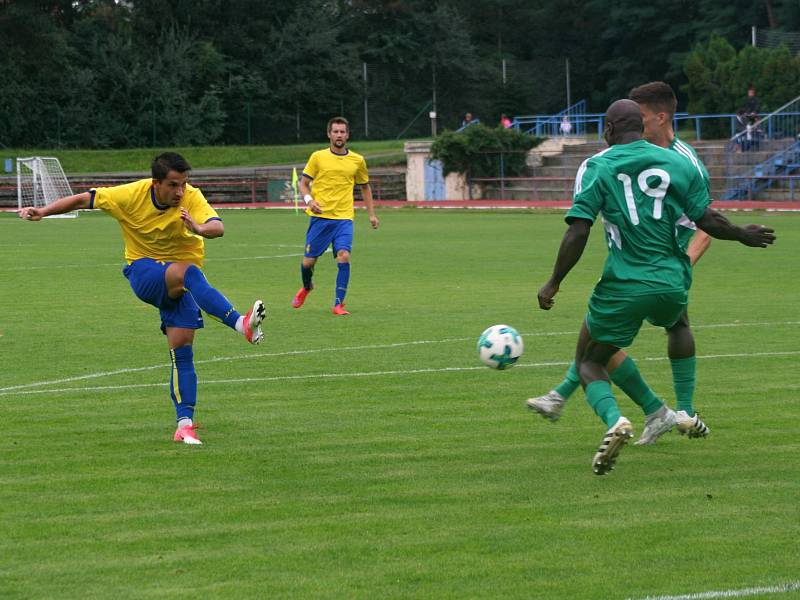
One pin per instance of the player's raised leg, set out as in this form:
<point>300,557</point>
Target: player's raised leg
<point>552,403</point>
<point>182,276</point>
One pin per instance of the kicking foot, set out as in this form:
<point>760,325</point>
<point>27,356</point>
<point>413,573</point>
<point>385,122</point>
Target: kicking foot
<point>656,425</point>
<point>252,322</point>
<point>549,405</point>
<point>613,441</point>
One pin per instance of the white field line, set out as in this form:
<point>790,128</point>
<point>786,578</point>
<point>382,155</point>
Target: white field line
<point>363,374</point>
<point>121,263</point>
<point>250,356</point>
<point>742,593</point>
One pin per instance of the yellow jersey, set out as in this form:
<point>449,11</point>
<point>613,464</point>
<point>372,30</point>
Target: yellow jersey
<point>333,177</point>
<point>151,230</point>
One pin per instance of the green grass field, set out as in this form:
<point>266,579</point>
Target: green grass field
<point>206,157</point>
<point>373,456</point>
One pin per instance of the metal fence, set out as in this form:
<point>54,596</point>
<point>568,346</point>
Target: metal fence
<point>763,155</point>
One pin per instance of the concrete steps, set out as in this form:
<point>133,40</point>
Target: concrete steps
<point>553,174</point>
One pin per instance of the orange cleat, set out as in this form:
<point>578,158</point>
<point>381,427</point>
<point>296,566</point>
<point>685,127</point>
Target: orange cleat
<point>339,310</point>
<point>300,297</point>
<point>187,435</point>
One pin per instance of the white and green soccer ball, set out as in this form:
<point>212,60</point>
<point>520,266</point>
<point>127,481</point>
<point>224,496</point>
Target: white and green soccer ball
<point>500,346</point>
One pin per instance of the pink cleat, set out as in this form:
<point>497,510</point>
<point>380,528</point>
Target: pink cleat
<point>252,322</point>
<point>187,435</point>
<point>339,310</point>
<point>300,297</point>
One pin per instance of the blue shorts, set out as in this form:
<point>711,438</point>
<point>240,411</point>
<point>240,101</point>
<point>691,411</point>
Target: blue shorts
<point>324,232</point>
<point>146,277</point>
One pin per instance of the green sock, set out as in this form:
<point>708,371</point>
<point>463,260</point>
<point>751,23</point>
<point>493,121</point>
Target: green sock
<point>629,380</point>
<point>571,382</point>
<point>684,380</point>
<point>601,399</point>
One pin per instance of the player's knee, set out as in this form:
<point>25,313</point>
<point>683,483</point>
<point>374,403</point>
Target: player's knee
<point>175,277</point>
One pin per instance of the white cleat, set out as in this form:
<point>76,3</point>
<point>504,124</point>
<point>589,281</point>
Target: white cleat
<point>549,405</point>
<point>252,322</point>
<point>691,426</point>
<point>613,441</point>
<point>656,425</point>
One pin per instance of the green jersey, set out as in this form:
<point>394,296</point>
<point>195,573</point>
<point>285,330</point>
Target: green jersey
<point>641,191</point>
<point>685,228</point>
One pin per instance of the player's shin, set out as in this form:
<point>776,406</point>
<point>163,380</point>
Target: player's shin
<point>684,380</point>
<point>571,382</point>
<point>183,384</point>
<point>208,298</point>
<point>628,378</point>
<point>306,273</point>
<point>601,399</point>
<point>342,280</point>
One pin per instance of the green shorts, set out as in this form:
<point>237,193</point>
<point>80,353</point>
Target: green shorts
<point>616,320</point>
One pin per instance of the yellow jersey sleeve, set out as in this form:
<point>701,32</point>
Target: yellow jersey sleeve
<point>118,200</point>
<point>312,166</point>
<point>362,175</point>
<point>198,206</point>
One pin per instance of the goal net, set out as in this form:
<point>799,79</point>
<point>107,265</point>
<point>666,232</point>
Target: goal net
<point>40,181</point>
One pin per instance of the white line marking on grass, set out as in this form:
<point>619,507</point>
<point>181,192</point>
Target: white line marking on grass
<point>743,593</point>
<point>165,365</point>
<point>7,391</point>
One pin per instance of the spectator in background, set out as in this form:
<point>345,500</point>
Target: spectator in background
<point>741,125</point>
<point>468,120</point>
<point>752,105</point>
<point>505,121</point>
<point>566,126</point>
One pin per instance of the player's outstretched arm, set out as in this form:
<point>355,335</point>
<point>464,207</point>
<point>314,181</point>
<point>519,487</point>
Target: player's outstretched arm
<point>58,207</point>
<point>572,246</point>
<point>717,225</point>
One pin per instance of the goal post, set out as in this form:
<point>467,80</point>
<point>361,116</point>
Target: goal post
<point>40,181</point>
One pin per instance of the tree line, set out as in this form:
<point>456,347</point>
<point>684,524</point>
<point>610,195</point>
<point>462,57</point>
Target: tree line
<point>135,73</point>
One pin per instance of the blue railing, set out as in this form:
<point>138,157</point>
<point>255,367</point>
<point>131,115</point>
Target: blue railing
<point>764,153</point>
<point>765,174</point>
<point>470,124</point>
<point>570,121</point>
<point>592,124</point>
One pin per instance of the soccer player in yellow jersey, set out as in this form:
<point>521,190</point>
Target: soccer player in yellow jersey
<point>327,186</point>
<point>164,221</point>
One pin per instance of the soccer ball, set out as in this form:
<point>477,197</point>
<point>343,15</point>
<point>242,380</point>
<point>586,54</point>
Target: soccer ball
<point>500,346</point>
